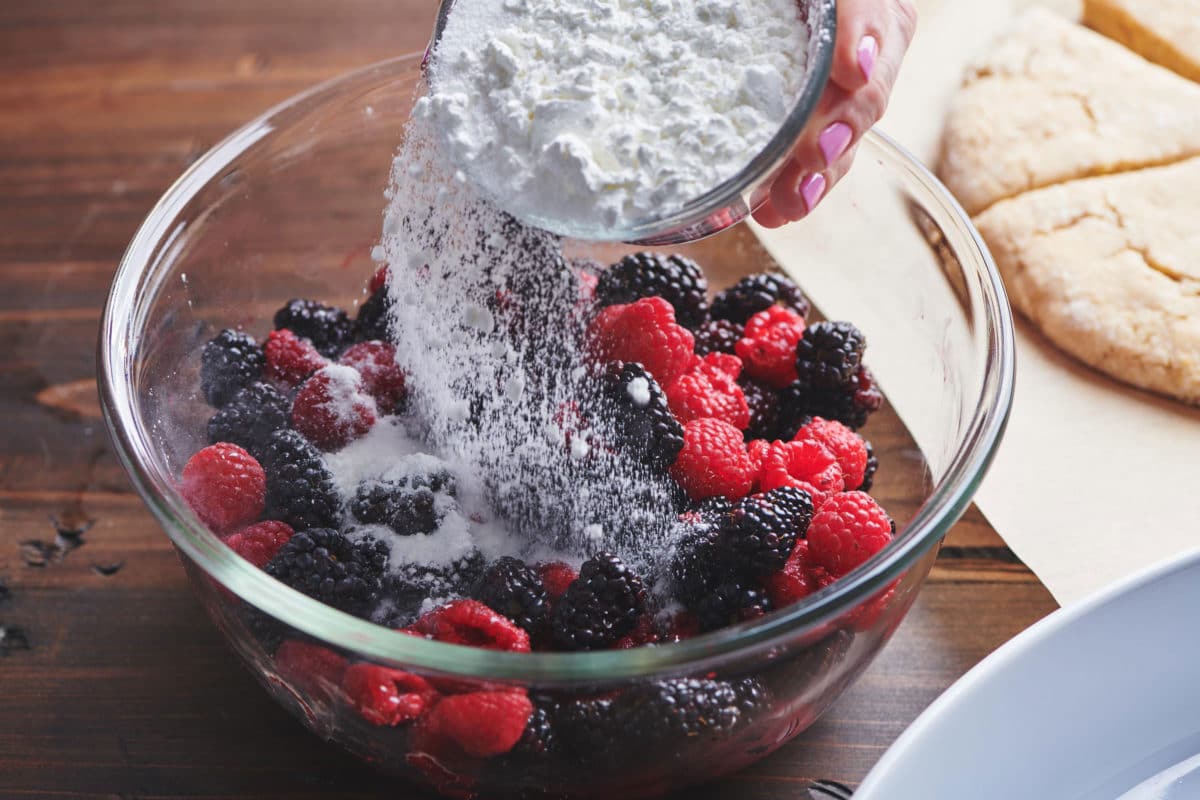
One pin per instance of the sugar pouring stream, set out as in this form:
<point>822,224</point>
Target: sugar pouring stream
<point>732,87</point>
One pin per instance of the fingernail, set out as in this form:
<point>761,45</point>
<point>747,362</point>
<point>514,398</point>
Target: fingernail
<point>868,51</point>
<point>811,189</point>
<point>834,140</point>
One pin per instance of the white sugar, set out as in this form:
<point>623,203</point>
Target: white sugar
<point>611,111</point>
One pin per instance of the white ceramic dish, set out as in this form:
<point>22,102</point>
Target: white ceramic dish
<point>1087,704</point>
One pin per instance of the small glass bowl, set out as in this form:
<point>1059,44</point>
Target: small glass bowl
<point>290,206</point>
<point>734,199</point>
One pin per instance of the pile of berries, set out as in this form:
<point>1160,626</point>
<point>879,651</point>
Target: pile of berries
<point>747,409</point>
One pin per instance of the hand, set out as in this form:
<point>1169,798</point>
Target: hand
<point>872,37</point>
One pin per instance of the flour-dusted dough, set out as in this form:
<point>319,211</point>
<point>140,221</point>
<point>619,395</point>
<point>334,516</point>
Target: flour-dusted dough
<point>1109,269</point>
<point>1055,101</point>
<point>1166,32</point>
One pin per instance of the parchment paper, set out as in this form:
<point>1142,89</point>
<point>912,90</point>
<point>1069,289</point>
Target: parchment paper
<point>1094,480</point>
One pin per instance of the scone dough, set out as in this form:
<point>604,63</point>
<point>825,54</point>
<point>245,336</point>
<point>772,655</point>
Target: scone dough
<point>1054,102</point>
<point>1166,32</point>
<point>1109,269</point>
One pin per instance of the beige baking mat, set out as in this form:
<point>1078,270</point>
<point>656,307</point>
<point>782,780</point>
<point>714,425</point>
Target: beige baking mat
<point>1094,481</point>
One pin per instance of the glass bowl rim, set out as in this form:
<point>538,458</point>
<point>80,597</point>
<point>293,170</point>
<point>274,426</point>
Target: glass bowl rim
<point>728,193</point>
<point>136,284</point>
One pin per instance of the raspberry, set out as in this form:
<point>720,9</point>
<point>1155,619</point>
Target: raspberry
<point>331,409</point>
<point>871,468</point>
<point>471,623</point>
<point>314,670</point>
<point>374,320</point>
<point>635,408</point>
<point>644,332</point>
<point>765,409</point>
<point>768,346</point>
<point>513,588</point>
<point>849,529</point>
<point>483,724</point>
<point>717,336</point>
<point>676,279</point>
<point>729,604</point>
<point>249,419</point>
<point>328,328</point>
<point>829,354</point>
<point>328,566</point>
<point>556,577</point>
<point>259,543</point>
<point>761,531</point>
<point>710,389</point>
<point>300,488</point>
<point>807,465</point>
<point>847,446</point>
<point>643,633</point>
<point>713,461</point>
<point>794,582</point>
<point>756,293</point>
<point>290,359</point>
<point>382,377</point>
<point>378,279</point>
<point>387,697</point>
<point>225,486</point>
<point>600,607</point>
<point>229,362</point>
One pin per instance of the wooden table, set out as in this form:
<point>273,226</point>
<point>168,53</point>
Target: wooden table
<point>112,682</point>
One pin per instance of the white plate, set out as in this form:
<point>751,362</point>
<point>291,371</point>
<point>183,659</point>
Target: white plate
<point>1085,705</point>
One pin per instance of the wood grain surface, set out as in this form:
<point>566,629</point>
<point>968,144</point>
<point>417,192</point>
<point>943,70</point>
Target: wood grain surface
<point>112,682</point>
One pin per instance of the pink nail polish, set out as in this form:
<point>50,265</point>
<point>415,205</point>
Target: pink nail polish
<point>834,140</point>
<point>811,189</point>
<point>868,51</point>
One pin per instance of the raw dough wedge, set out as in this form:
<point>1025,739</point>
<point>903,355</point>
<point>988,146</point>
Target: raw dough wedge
<point>1056,101</point>
<point>1109,269</point>
<point>1166,32</point>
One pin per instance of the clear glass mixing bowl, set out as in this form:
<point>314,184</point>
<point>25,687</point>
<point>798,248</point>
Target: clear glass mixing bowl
<point>290,205</point>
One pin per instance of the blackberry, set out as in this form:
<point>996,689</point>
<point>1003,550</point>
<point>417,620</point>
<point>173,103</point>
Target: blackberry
<point>513,588</point>
<point>583,727</point>
<point>328,328</point>
<point>794,504</point>
<point>635,408</point>
<point>538,740</point>
<point>872,468</point>
<point>851,404</point>
<point>756,293</point>
<point>328,566</point>
<point>300,488</point>
<point>407,586</point>
<point>717,336</point>
<point>697,562</point>
<point>676,279</point>
<point>766,410</point>
<point>713,509</point>
<point>373,321</point>
<point>828,355</point>
<point>600,606</point>
<point>249,419</point>
<point>230,361</point>
<point>668,713</point>
<point>761,531</point>
<point>730,603</point>
<point>753,698</point>
<point>407,507</point>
